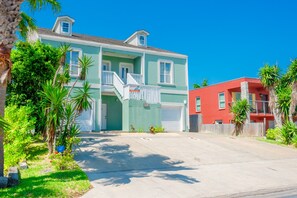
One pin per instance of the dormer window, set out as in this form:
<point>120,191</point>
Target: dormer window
<point>141,40</point>
<point>65,27</point>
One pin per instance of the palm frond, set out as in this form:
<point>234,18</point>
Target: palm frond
<point>85,63</point>
<point>39,4</point>
<point>26,24</point>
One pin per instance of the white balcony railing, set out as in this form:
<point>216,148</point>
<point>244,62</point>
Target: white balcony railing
<point>137,77</point>
<point>149,94</point>
<point>107,77</point>
<point>134,89</point>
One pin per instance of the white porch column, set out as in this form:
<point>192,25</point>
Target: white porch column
<point>143,67</point>
<point>100,84</point>
<point>245,95</point>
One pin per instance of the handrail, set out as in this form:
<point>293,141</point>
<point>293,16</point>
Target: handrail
<point>131,80</point>
<point>137,77</point>
<point>118,84</point>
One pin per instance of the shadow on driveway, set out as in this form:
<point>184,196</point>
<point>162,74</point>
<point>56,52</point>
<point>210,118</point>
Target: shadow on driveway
<point>107,162</point>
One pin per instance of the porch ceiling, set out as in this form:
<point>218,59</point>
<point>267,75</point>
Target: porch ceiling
<point>115,54</point>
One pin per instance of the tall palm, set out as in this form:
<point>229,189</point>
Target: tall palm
<point>10,16</point>
<point>292,73</point>
<point>269,76</point>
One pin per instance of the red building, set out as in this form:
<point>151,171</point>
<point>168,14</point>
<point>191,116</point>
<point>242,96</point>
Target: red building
<point>213,102</point>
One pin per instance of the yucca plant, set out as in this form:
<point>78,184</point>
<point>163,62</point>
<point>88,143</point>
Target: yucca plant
<point>82,98</point>
<point>270,76</point>
<point>240,110</point>
<point>288,131</point>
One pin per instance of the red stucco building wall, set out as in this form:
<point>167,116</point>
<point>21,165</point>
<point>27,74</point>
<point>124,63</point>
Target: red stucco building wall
<point>209,97</point>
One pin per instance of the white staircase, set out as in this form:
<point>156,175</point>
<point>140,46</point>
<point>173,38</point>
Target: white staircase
<point>134,89</point>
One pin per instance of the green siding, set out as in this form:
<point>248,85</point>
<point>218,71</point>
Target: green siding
<point>174,98</point>
<point>114,112</point>
<point>93,72</point>
<point>140,117</point>
<point>152,72</point>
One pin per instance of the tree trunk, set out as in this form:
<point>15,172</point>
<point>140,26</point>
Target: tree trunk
<point>9,20</point>
<point>2,106</point>
<point>293,101</point>
<point>273,106</point>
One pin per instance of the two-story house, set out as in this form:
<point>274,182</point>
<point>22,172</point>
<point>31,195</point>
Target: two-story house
<point>134,86</point>
<point>214,102</point>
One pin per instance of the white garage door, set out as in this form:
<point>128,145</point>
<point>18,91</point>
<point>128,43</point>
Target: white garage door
<point>85,120</point>
<point>171,118</point>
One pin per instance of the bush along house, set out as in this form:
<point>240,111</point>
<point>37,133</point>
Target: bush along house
<point>134,86</point>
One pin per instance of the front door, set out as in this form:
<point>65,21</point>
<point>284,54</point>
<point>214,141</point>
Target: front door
<point>103,116</point>
<point>124,70</point>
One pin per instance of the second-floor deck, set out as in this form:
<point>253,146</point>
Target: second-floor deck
<point>133,88</point>
<point>258,107</point>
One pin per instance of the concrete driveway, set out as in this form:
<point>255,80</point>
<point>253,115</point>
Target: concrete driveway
<point>186,165</point>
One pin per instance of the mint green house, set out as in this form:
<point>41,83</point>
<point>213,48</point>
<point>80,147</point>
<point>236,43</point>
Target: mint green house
<point>134,86</point>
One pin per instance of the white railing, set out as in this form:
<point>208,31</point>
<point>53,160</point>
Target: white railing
<point>133,90</point>
<point>137,77</point>
<point>118,84</point>
<point>149,94</point>
<point>107,77</point>
<point>131,80</point>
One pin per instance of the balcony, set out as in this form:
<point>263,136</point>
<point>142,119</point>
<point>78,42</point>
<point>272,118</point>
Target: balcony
<point>258,107</point>
<point>134,89</point>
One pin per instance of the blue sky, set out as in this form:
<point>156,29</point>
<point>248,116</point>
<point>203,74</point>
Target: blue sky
<point>224,39</point>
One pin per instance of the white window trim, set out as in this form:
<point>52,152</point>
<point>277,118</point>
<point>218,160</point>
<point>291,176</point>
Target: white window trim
<point>79,55</point>
<point>69,27</point>
<point>104,62</point>
<point>171,72</point>
<point>220,101</point>
<point>138,40</point>
<point>125,64</point>
<point>196,104</point>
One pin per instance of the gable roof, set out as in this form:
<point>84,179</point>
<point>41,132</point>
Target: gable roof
<point>83,37</point>
<point>61,18</point>
<point>135,33</point>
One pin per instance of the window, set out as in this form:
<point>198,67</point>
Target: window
<point>221,101</point>
<point>198,104</point>
<point>218,121</point>
<point>165,72</point>
<point>65,27</point>
<point>72,58</point>
<point>106,66</point>
<point>141,40</point>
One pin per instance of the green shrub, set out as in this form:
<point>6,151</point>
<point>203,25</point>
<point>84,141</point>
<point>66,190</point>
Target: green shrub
<point>17,137</point>
<point>294,140</point>
<point>159,129</point>
<point>288,130</point>
<point>273,134</point>
<point>63,161</point>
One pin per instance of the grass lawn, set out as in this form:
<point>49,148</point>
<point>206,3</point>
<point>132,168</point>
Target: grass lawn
<point>263,139</point>
<point>42,180</point>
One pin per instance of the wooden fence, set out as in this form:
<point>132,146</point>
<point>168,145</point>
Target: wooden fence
<point>250,129</point>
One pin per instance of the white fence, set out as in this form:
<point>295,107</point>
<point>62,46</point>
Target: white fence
<point>250,129</point>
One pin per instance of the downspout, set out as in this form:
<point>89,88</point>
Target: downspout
<point>100,87</point>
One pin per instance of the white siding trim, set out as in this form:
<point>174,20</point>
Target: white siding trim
<point>110,46</point>
<point>171,104</point>
<point>100,86</point>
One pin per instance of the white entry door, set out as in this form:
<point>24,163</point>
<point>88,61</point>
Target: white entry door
<point>124,70</point>
<point>171,118</point>
<point>103,116</point>
<point>85,119</point>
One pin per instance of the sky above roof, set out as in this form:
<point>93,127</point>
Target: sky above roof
<point>224,39</point>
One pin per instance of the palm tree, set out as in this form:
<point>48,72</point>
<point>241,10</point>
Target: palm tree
<point>82,98</point>
<point>269,76</point>
<point>240,109</point>
<point>292,73</point>
<point>10,18</point>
